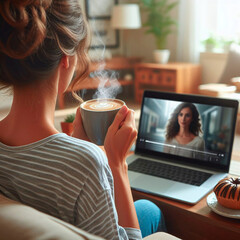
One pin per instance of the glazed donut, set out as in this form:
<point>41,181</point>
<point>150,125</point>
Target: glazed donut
<point>227,192</point>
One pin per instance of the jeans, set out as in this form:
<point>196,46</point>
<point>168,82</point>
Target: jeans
<point>150,217</point>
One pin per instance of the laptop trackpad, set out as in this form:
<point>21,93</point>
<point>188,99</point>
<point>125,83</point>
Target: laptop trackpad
<point>168,188</point>
<point>151,183</point>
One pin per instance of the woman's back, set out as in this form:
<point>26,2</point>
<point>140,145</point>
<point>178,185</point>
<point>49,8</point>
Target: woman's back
<point>42,53</point>
<point>62,176</point>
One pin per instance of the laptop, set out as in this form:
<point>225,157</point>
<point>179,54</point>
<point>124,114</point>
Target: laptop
<point>182,167</point>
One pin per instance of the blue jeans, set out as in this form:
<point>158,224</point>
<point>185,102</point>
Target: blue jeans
<point>150,217</point>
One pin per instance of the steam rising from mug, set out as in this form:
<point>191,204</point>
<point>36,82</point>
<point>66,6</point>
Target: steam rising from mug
<point>99,113</point>
<point>109,86</point>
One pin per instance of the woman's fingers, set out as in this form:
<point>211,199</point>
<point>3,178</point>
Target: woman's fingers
<point>77,116</point>
<point>78,129</point>
<point>78,119</point>
<point>130,119</point>
<point>119,119</point>
<point>120,136</point>
<point>129,128</point>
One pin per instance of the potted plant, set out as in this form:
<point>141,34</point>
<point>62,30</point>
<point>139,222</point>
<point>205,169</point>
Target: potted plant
<point>226,43</point>
<point>210,43</point>
<point>67,125</point>
<point>159,23</point>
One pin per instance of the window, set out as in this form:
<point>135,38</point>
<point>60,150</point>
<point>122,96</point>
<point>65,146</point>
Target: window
<point>220,18</point>
<point>199,19</point>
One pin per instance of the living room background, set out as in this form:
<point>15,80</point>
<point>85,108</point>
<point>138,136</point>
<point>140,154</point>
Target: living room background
<point>197,20</point>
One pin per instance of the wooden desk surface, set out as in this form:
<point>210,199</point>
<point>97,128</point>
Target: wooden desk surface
<point>194,222</point>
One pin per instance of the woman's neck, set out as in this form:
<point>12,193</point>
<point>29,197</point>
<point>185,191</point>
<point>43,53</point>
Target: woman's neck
<point>184,132</point>
<point>31,116</point>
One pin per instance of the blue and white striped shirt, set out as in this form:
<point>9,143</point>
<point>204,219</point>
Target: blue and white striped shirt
<point>67,178</point>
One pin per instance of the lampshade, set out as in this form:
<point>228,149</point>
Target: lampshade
<point>126,16</point>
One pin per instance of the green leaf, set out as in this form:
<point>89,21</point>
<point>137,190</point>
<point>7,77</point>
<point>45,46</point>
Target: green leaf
<point>70,118</point>
<point>159,22</point>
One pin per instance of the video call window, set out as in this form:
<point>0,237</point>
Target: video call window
<point>210,127</point>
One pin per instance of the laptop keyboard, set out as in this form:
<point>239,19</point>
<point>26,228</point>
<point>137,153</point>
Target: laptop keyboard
<point>167,171</point>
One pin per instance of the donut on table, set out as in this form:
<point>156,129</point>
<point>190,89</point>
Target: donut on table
<point>227,192</point>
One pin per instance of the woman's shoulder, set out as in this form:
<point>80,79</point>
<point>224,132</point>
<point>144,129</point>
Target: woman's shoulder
<point>77,151</point>
<point>83,154</point>
<point>69,141</point>
<point>171,141</point>
<point>198,140</point>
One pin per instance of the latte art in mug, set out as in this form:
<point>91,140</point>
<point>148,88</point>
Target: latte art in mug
<point>103,104</point>
<point>97,115</point>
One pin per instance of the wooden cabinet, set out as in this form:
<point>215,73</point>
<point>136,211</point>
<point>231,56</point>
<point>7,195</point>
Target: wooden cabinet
<point>171,77</point>
<point>119,68</point>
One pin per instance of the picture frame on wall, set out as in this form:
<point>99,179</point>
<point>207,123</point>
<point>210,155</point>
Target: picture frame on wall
<point>103,35</point>
<point>98,13</point>
<point>99,9</point>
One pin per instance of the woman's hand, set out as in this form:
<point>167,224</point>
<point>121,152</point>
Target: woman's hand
<point>78,130</point>
<point>120,137</point>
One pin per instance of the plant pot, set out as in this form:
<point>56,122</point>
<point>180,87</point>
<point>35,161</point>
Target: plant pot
<point>226,48</point>
<point>67,127</point>
<point>209,47</point>
<point>161,55</point>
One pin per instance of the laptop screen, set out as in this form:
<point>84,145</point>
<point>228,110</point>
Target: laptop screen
<point>189,128</point>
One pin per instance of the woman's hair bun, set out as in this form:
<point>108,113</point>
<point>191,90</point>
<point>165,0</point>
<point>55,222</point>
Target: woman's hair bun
<point>23,26</point>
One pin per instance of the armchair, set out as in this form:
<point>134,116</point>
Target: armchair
<point>18,221</point>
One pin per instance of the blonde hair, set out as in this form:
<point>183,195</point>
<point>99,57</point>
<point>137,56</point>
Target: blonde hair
<point>35,34</point>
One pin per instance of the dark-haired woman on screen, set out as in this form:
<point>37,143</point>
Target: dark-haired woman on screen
<point>183,132</point>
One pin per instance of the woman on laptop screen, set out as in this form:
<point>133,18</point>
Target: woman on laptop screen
<point>183,132</point>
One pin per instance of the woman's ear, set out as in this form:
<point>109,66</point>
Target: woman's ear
<point>65,61</point>
<point>66,70</point>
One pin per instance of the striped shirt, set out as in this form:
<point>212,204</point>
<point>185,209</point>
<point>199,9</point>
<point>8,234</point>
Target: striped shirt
<point>67,178</point>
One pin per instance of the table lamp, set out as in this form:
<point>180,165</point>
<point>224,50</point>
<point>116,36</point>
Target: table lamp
<point>126,16</point>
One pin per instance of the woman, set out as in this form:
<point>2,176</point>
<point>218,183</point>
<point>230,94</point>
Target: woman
<point>42,44</point>
<point>182,132</point>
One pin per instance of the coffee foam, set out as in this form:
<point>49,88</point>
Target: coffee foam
<point>103,105</point>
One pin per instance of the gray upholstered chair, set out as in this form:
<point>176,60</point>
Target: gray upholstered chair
<point>18,221</point>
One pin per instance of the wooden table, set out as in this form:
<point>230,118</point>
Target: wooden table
<point>194,222</point>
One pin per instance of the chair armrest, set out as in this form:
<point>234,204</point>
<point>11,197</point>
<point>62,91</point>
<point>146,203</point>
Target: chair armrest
<point>18,221</point>
<point>162,236</point>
